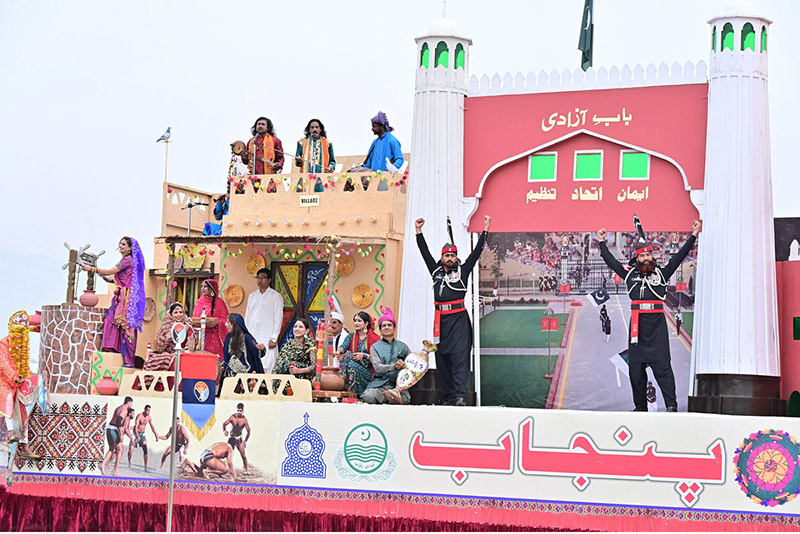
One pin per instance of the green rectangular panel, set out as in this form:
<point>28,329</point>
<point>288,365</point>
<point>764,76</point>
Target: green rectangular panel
<point>635,164</point>
<point>542,168</point>
<point>796,329</point>
<point>588,166</point>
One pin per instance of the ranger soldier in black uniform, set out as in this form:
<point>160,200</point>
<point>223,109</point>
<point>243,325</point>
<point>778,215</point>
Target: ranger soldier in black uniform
<point>452,329</point>
<point>648,344</point>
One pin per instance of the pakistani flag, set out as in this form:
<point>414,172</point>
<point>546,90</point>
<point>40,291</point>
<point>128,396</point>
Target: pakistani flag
<point>587,30</point>
<point>598,297</point>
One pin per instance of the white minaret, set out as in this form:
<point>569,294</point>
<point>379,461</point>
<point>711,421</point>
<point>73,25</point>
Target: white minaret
<point>436,173</point>
<point>735,354</point>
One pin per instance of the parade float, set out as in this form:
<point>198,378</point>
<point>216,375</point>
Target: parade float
<point>732,464</point>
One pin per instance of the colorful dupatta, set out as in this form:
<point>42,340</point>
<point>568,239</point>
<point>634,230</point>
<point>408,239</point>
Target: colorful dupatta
<point>214,307</point>
<point>267,151</point>
<point>315,154</point>
<point>129,296</point>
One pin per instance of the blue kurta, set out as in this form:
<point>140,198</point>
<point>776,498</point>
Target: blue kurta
<point>386,146</point>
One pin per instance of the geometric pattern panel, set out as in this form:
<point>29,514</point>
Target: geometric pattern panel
<point>291,275</point>
<point>315,278</point>
<point>70,438</point>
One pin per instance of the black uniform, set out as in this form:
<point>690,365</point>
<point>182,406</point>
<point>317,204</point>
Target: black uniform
<point>455,339</point>
<point>652,348</point>
<point>605,322</point>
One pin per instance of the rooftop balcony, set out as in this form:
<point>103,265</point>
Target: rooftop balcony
<point>377,212</point>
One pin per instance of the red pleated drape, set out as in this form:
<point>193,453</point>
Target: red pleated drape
<point>58,514</point>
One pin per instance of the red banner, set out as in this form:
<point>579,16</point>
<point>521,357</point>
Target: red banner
<point>564,288</point>
<point>617,278</point>
<point>549,324</point>
<point>600,156</point>
<point>680,286</point>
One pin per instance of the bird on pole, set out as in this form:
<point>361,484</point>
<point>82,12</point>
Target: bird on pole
<point>165,138</point>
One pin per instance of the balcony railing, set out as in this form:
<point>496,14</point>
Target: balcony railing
<point>277,208</point>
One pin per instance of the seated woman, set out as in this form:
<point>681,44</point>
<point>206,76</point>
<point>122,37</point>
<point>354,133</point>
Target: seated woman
<point>298,356</point>
<point>216,315</point>
<point>163,356</point>
<point>164,343</point>
<point>355,366</point>
<point>241,353</point>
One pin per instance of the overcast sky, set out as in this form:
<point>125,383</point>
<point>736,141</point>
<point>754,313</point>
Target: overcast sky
<point>87,87</point>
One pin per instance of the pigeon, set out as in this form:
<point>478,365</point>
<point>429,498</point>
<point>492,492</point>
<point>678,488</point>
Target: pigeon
<point>166,135</point>
<point>391,168</point>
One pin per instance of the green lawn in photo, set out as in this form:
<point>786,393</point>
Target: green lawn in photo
<point>519,329</point>
<point>688,322</point>
<point>515,380</point>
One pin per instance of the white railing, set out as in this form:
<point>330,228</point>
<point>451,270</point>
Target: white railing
<point>577,80</point>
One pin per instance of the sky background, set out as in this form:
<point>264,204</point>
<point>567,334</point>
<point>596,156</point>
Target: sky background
<point>87,87</point>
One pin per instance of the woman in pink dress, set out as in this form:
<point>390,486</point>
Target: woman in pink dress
<point>123,321</point>
<point>216,315</point>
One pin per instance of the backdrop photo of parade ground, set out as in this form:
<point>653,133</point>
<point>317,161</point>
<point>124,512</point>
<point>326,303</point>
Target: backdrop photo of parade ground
<point>528,277</point>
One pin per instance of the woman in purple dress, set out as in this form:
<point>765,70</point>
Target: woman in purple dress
<point>123,321</point>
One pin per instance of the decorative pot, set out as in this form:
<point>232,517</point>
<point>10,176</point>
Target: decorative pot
<point>89,299</point>
<point>107,386</point>
<point>330,379</point>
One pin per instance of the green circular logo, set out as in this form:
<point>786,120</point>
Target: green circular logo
<point>365,448</point>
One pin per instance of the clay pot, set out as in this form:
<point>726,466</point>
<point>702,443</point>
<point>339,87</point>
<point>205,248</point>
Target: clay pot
<point>107,386</point>
<point>330,379</point>
<point>89,299</point>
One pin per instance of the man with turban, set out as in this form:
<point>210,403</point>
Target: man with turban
<point>648,344</point>
<point>387,357</point>
<point>386,146</point>
<point>452,329</point>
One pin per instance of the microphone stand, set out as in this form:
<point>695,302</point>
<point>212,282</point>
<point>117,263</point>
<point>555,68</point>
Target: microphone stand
<point>189,207</point>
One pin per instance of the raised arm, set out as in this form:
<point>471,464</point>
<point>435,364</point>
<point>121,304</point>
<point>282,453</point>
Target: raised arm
<point>430,263</point>
<point>470,262</point>
<point>607,256</point>
<point>675,261</point>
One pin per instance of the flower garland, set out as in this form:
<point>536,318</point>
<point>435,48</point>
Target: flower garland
<point>304,183</point>
<point>19,342</point>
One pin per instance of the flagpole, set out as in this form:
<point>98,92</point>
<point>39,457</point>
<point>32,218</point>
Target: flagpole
<point>178,351</point>
<point>166,159</point>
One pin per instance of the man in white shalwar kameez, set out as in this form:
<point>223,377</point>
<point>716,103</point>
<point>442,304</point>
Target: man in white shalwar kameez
<point>264,317</point>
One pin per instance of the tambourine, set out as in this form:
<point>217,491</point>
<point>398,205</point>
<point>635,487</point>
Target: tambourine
<point>238,147</point>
